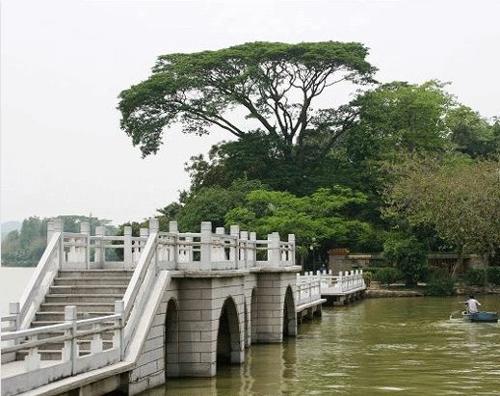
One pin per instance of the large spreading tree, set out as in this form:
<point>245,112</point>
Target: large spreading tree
<point>273,85</point>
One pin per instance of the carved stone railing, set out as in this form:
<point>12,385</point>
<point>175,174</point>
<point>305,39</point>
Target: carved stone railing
<point>73,360</point>
<point>308,289</point>
<point>343,283</point>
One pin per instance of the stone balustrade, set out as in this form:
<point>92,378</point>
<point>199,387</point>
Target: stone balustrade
<point>188,251</point>
<point>308,288</point>
<point>346,282</point>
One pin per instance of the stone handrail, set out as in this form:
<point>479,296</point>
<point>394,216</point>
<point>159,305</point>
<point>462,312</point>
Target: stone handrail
<point>140,272</point>
<point>39,283</point>
<point>345,282</point>
<point>69,333</point>
<point>308,289</point>
<point>78,249</point>
<point>204,250</point>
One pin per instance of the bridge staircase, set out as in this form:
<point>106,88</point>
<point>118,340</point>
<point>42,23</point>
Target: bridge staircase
<point>93,292</point>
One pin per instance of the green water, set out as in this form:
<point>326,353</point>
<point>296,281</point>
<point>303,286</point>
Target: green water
<point>404,346</point>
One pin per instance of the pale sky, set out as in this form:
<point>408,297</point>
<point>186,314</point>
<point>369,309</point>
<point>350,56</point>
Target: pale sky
<point>63,63</point>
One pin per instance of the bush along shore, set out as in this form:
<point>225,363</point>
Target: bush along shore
<point>387,282</point>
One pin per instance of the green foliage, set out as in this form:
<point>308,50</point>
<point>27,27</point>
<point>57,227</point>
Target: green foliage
<point>400,116</point>
<point>471,133</point>
<point>213,203</point>
<point>458,198</point>
<point>387,275</point>
<point>408,254</point>
<point>368,277</point>
<point>274,83</point>
<point>440,286</point>
<point>321,218</point>
<point>475,277</point>
<point>319,172</point>
<point>24,248</point>
<point>493,275</point>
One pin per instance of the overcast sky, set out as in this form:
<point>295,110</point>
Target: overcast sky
<point>63,63</point>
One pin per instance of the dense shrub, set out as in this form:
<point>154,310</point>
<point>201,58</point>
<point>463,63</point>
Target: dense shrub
<point>475,277</point>
<point>388,275</point>
<point>493,274</point>
<point>441,286</point>
<point>367,276</point>
<point>409,255</point>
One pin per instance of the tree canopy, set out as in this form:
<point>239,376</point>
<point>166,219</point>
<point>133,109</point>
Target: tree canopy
<point>459,198</point>
<point>327,216</point>
<point>275,84</point>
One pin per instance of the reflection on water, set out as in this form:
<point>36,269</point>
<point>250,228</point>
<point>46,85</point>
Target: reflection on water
<point>377,347</point>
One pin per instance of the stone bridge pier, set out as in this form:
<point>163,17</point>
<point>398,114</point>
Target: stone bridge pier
<point>205,320</point>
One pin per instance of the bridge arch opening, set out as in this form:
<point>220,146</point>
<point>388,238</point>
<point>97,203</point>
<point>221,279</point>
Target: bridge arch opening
<point>289,314</point>
<point>228,336</point>
<point>171,340</point>
<point>253,317</point>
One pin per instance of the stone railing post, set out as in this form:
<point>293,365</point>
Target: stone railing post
<point>273,250</point>
<point>53,226</point>
<point>14,309</point>
<point>59,227</point>
<point>71,346</point>
<point>206,246</point>
<point>118,335</point>
<point>291,252</point>
<point>128,260</point>
<point>100,254</point>
<point>234,230</point>
<point>219,252</point>
<point>154,227</point>
<point>340,280</point>
<point>173,228</point>
<point>253,250</point>
<point>50,230</point>
<point>85,229</point>
<point>244,251</point>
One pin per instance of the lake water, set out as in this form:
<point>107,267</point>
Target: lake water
<point>404,346</point>
<point>13,280</point>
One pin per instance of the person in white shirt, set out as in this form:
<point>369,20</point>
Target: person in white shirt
<point>472,304</point>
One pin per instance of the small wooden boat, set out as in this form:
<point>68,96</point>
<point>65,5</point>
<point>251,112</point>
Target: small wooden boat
<point>481,316</point>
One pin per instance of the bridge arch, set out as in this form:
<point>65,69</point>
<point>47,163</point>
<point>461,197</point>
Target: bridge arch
<point>289,314</point>
<point>171,340</point>
<point>229,338</point>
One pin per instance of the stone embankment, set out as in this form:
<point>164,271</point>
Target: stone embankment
<point>384,293</point>
<point>377,291</point>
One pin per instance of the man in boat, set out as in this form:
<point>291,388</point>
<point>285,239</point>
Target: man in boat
<point>472,305</point>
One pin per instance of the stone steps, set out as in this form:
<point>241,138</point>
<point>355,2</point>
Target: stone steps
<point>90,280</point>
<point>93,292</point>
<point>95,273</point>
<point>80,307</point>
<point>59,316</point>
<point>88,289</point>
<point>71,299</point>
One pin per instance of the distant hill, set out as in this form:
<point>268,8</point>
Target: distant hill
<point>9,226</point>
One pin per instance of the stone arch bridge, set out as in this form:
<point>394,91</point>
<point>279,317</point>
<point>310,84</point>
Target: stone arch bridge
<point>125,313</point>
